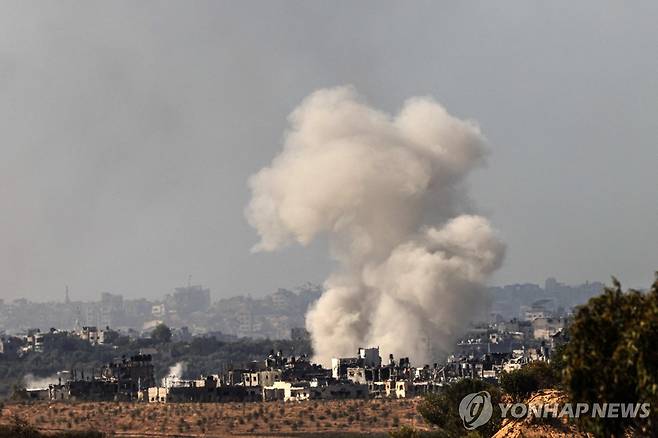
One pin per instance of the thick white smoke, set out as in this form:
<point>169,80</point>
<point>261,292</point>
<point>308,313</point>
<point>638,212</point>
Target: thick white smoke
<point>388,193</point>
<point>34,382</point>
<point>174,374</point>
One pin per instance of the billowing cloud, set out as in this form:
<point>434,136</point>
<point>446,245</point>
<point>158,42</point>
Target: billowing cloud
<point>388,193</point>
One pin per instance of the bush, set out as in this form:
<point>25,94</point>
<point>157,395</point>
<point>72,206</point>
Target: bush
<point>161,334</point>
<point>442,409</point>
<point>22,429</point>
<point>612,357</point>
<point>532,377</point>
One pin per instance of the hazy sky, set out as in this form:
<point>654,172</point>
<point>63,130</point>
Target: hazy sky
<point>128,131</point>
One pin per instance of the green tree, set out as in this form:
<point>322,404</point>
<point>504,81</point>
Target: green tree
<point>532,377</point>
<point>558,360</point>
<point>442,409</point>
<point>110,336</point>
<point>612,357</point>
<point>19,393</point>
<point>161,334</point>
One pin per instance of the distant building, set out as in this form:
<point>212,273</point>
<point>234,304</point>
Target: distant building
<point>283,298</point>
<point>159,310</point>
<point>298,391</point>
<point>111,310</point>
<point>34,341</point>
<point>124,379</point>
<point>181,335</point>
<point>190,299</point>
<point>357,375</point>
<point>544,308</point>
<point>286,391</point>
<point>132,375</point>
<point>148,326</point>
<point>338,391</point>
<point>299,334</point>
<point>370,356</point>
<point>404,389</point>
<point>245,319</point>
<point>261,378</point>
<point>91,334</point>
<point>206,390</point>
<point>340,365</point>
<point>149,351</point>
<point>545,328</point>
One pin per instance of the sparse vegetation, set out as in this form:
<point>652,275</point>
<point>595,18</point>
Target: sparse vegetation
<point>161,334</point>
<point>442,409</point>
<point>353,417</point>
<point>17,427</point>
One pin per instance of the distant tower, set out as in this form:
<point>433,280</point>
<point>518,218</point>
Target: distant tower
<point>67,300</point>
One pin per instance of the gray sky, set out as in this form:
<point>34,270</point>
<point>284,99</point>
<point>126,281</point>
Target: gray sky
<point>128,131</point>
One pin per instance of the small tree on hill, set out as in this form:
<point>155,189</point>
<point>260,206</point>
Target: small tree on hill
<point>532,377</point>
<point>442,409</point>
<point>161,334</point>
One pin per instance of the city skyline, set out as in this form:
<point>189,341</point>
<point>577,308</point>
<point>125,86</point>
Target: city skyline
<point>272,315</point>
<point>66,292</point>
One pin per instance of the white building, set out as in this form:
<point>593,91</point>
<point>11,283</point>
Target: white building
<point>286,391</point>
<point>158,395</point>
<point>92,335</point>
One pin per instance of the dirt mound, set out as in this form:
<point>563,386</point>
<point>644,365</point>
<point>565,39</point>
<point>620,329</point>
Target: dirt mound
<point>310,418</point>
<point>531,427</point>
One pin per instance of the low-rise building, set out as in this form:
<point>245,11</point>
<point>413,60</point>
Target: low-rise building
<point>91,334</point>
<point>286,391</point>
<point>338,391</point>
<point>357,375</point>
<point>261,378</point>
<point>203,391</point>
<point>545,328</point>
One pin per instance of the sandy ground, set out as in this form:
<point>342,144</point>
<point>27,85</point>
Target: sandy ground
<point>220,419</point>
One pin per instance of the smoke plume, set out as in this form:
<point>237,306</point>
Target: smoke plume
<point>388,193</point>
<point>33,382</point>
<point>174,374</point>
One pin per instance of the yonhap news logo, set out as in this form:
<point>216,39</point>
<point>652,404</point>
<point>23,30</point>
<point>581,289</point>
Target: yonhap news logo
<point>475,409</point>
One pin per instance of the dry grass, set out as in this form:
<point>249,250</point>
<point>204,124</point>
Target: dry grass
<point>221,419</point>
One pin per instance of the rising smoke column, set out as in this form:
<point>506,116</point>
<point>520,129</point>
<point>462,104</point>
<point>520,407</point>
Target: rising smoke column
<point>388,192</point>
<point>174,374</point>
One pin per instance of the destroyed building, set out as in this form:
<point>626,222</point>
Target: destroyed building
<point>484,353</point>
<point>123,379</point>
<point>204,390</point>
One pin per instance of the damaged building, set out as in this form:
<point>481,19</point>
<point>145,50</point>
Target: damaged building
<point>124,379</point>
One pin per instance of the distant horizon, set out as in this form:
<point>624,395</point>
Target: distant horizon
<point>291,289</point>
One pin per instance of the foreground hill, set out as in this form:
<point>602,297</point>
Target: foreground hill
<point>540,427</point>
